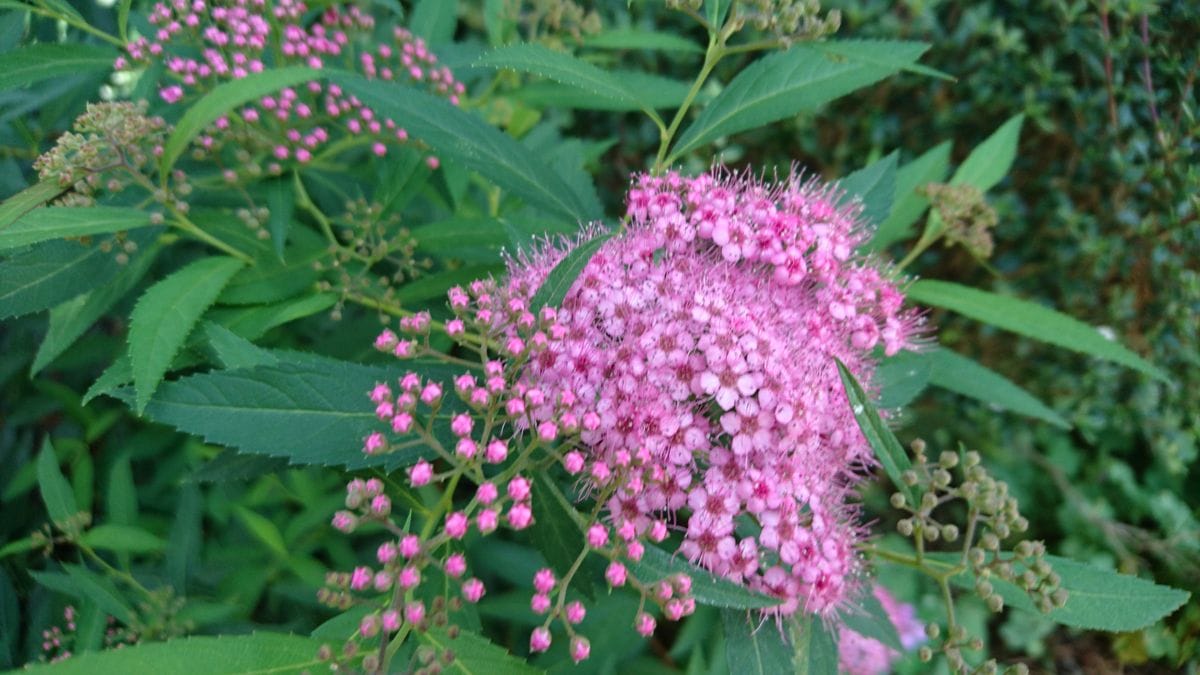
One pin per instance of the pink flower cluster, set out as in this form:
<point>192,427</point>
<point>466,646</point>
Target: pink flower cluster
<point>700,345</point>
<point>861,655</point>
<point>205,42</point>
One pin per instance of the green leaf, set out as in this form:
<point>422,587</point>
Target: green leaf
<point>649,91</point>
<point>56,271</point>
<point>224,98</point>
<point>816,651</point>
<point>564,274</point>
<point>83,583</point>
<point>26,200</point>
<point>235,351</point>
<point>463,137</point>
<point>991,159</point>
<point>851,49</point>
<point>707,588</point>
<point>930,167</point>
<point>875,186</point>
<point>637,39</point>
<point>1028,319</point>
<point>164,316</point>
<point>72,318</point>
<point>263,530</point>
<point>281,203</point>
<point>40,62</point>
<point>57,222</point>
<point>560,67</point>
<point>10,620</point>
<point>962,375</point>
<point>56,491</point>
<point>434,20</point>
<point>901,378</point>
<point>786,83</point>
<point>475,654</point>
<point>887,449</point>
<point>254,654</point>
<point>755,645</point>
<point>868,618</point>
<point>557,529</point>
<point>183,551</point>
<point>311,411</point>
<point>253,322</point>
<point>123,538</point>
<point>232,466</point>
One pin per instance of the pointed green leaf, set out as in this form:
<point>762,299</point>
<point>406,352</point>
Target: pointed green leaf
<point>962,375</point>
<point>434,20</point>
<point>264,530</point>
<point>888,451</point>
<point>462,137</point>
<point>235,351</point>
<point>223,99</point>
<point>560,67</point>
<point>564,274</point>
<point>1028,319</point>
<point>40,62</point>
<point>930,167</point>
<point>755,645</point>
<point>254,654</point>
<point>901,378</point>
<point>867,617</point>
<point>990,160</point>
<point>649,91</point>
<point>254,321</point>
<point>57,222</point>
<point>635,38</point>
<point>123,538</point>
<point>281,202</point>
<point>557,529</point>
<point>707,588</point>
<point>475,654</point>
<point>166,313</point>
<point>26,200</point>
<point>786,83</point>
<point>874,186</point>
<point>816,651</point>
<point>56,491</point>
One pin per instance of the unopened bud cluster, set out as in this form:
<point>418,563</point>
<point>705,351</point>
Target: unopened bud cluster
<point>967,217</point>
<point>790,20</point>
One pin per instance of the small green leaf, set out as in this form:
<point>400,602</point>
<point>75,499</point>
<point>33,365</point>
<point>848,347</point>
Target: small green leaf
<point>26,200</point>
<point>232,466</point>
<point>755,645</point>
<point>183,551</point>
<point>123,539</point>
<point>224,98</point>
<point>786,83</point>
<point>875,186</point>
<point>1028,319</point>
<point>56,491</point>
<point>83,583</point>
<point>557,529</point>
<point>475,654</point>
<point>263,530</point>
<point>816,650</point>
<point>930,167</point>
<point>637,39</point>
<point>40,62</point>
<point>166,313</point>
<point>649,91</point>
<point>554,289</point>
<point>235,351</point>
<point>707,588</point>
<point>57,222</point>
<point>990,160</point>
<point>254,654</point>
<point>281,203</point>
<point>887,449</point>
<point>254,321</point>
<point>962,375</point>
<point>560,67</point>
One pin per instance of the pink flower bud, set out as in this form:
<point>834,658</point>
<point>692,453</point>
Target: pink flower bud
<point>575,612</point>
<point>486,493</point>
<point>597,536</point>
<point>456,525</point>
<point>409,577</point>
<point>644,623</point>
<point>615,574</point>
<point>391,621</point>
<point>580,648</point>
<point>487,521</point>
<point>361,578</point>
<point>456,564</point>
<point>540,603</point>
<point>539,640</point>
<point>497,451</point>
<point>420,473</point>
<point>386,553</point>
<point>520,516</point>
<point>544,580</point>
<point>472,590</point>
<point>573,462</point>
<point>518,489</point>
<point>414,612</point>
<point>410,546</point>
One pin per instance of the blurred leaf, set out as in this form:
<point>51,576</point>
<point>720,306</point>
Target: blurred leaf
<point>36,63</point>
<point>888,451</point>
<point>166,313</point>
<point>962,375</point>
<point>10,621</point>
<point>281,201</point>
<point>184,540</point>
<point>83,583</point>
<point>56,491</point>
<point>875,186</point>
<point>465,138</point>
<point>867,617</point>
<point>434,20</point>
<point>254,654</point>
<point>561,67</point>
<point>707,588</point>
<point>930,167</point>
<point>637,39</point>
<point>902,377</point>
<point>232,466</point>
<point>57,222</point>
<point>1028,319</point>
<point>650,91</point>
<point>816,651</point>
<point>26,200</point>
<point>222,99</point>
<point>557,530</point>
<point>123,538</point>
<point>754,645</point>
<point>990,160</point>
<point>786,83</point>
<point>263,530</point>
<point>558,283</point>
<point>475,654</point>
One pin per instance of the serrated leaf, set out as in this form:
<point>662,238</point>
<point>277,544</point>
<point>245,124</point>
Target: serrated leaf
<point>56,271</point>
<point>786,83</point>
<point>475,654</point>
<point>888,450</point>
<point>1028,319</point>
<point>312,411</point>
<point>235,351</point>
<point>123,538</point>
<point>850,50</point>
<point>253,322</point>
<point>990,160</point>
<point>564,274</point>
<point>164,316</point>
<point>962,375</point>
<point>930,167</point>
<point>875,186</point>
<point>222,99</point>
<point>755,645</point>
<point>707,588</point>
<point>57,222</point>
<point>635,38</point>
<point>254,654</point>
<point>71,319</point>
<point>651,91</point>
<point>560,67</point>
<point>465,138</point>
<point>40,62</point>
<point>867,617</point>
<point>56,491</point>
<point>26,200</point>
<point>816,650</point>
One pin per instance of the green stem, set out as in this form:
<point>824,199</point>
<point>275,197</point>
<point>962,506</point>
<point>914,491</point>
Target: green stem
<point>181,222</point>
<point>75,23</point>
<point>714,54</point>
